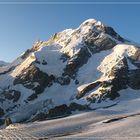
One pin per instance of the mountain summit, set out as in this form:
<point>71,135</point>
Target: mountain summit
<point>76,69</point>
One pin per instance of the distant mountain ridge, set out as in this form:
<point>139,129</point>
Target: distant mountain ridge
<point>2,63</point>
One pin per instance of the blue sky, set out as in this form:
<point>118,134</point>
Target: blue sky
<point>21,25</point>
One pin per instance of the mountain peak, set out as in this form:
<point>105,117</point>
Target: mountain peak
<point>90,24</point>
<point>89,21</point>
<point>98,27</point>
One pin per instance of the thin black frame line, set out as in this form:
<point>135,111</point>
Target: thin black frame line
<point>70,3</point>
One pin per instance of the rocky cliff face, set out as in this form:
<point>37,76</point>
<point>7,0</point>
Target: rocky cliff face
<point>76,69</point>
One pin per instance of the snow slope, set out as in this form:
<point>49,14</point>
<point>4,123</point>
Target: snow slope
<point>119,121</point>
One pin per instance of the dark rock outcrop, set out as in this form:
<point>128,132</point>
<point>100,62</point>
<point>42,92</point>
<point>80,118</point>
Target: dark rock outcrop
<point>1,112</point>
<point>110,31</point>
<point>76,62</point>
<point>13,95</point>
<point>109,89</point>
<point>97,43</point>
<point>63,80</point>
<point>87,89</point>
<point>60,111</point>
<point>32,76</point>
<point>26,54</point>
<point>134,79</point>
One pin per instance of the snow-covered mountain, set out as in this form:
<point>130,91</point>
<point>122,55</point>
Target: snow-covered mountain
<point>75,70</point>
